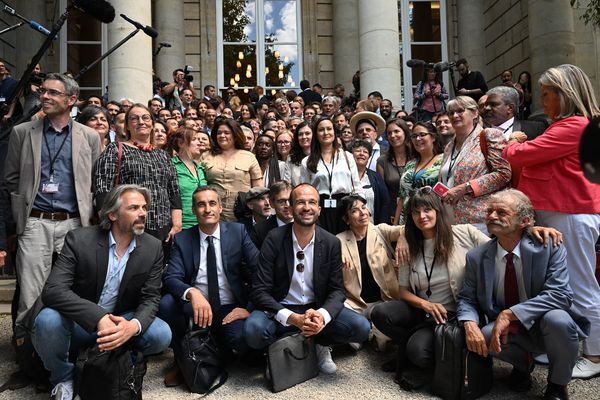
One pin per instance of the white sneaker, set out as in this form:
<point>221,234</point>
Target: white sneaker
<point>63,391</point>
<point>356,346</point>
<point>584,368</point>
<point>326,364</point>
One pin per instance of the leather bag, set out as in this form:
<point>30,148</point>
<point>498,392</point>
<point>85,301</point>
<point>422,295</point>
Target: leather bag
<point>459,373</point>
<point>291,360</point>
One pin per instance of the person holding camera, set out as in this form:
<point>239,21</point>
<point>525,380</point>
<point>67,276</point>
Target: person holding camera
<point>181,81</point>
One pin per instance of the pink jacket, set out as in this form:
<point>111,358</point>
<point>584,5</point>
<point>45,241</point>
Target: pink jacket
<point>552,175</point>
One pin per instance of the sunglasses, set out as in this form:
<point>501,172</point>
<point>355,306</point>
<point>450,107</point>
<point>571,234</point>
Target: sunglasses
<point>300,257</point>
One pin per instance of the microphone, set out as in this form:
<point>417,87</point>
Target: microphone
<point>163,44</point>
<point>34,25</point>
<point>9,10</point>
<point>441,66</point>
<point>415,63</point>
<point>102,10</point>
<point>39,28</point>
<point>148,30</point>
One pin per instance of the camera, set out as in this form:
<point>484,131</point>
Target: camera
<point>187,72</point>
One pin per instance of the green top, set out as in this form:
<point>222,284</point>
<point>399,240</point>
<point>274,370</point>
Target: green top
<point>187,184</point>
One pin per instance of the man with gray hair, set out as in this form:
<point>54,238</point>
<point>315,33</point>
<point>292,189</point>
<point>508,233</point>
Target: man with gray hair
<point>499,110</point>
<point>103,289</point>
<point>49,178</point>
<point>522,287</point>
<point>331,105</point>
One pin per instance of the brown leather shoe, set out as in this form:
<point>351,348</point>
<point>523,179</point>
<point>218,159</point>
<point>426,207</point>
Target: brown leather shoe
<point>173,376</point>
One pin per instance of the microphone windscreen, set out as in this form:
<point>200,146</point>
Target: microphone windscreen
<point>102,10</point>
<point>415,63</point>
<point>150,31</point>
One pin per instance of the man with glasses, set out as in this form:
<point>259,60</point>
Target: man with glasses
<point>298,285</point>
<point>49,178</point>
<point>203,280</point>
<point>279,196</point>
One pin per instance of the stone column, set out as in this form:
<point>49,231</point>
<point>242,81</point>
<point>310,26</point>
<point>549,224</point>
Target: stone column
<point>346,55</point>
<point>471,43</point>
<point>130,66</point>
<point>551,39</point>
<point>379,49</point>
<point>168,21</point>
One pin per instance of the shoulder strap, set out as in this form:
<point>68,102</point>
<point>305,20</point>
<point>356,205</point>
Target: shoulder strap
<point>119,158</point>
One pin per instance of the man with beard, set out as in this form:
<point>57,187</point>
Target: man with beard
<point>103,289</point>
<point>522,287</point>
<point>471,83</point>
<point>298,285</point>
<point>444,127</point>
<point>385,109</point>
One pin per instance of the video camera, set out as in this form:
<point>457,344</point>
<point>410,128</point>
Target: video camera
<point>187,72</point>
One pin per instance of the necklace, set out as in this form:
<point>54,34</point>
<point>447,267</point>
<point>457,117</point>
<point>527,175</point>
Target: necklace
<point>428,273</point>
<point>144,147</point>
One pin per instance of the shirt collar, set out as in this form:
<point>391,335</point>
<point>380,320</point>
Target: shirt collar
<point>507,124</point>
<point>280,222</point>
<point>49,128</point>
<point>501,253</point>
<point>112,242</point>
<point>216,234</point>
<point>297,245</point>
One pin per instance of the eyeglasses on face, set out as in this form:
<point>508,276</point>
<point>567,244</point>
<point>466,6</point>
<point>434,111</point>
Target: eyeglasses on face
<point>137,118</point>
<point>416,136</point>
<point>457,111</point>
<point>51,92</point>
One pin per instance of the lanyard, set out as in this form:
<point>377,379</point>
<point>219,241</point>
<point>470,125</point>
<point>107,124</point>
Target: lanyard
<point>53,159</point>
<point>428,273</point>
<point>453,158</point>
<point>330,173</point>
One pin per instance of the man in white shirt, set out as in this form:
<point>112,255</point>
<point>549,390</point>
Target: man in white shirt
<point>298,285</point>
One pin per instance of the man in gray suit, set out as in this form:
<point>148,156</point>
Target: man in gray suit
<point>49,178</point>
<point>523,289</point>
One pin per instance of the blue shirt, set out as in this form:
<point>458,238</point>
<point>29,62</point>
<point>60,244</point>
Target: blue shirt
<point>65,199</point>
<point>114,274</point>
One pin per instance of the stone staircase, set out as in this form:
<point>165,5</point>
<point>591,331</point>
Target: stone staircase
<point>7,289</point>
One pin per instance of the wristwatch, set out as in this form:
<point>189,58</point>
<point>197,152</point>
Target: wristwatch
<point>469,188</point>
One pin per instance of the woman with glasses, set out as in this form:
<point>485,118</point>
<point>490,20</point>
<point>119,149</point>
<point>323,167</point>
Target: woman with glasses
<point>301,142</point>
<point>374,190</point>
<point>332,171</point>
<point>471,175</point>
<point>228,167</point>
<point>423,169</point>
<point>283,141</point>
<point>137,161</point>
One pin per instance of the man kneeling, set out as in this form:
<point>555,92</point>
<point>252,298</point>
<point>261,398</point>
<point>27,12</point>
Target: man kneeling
<point>298,285</point>
<point>522,287</point>
<point>104,289</point>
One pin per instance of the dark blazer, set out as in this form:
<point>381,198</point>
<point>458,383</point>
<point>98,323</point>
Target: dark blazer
<point>184,260</point>
<point>383,205</point>
<point>544,274</point>
<point>262,229</point>
<point>271,281</point>
<point>531,128</point>
<point>310,96</point>
<point>77,278</point>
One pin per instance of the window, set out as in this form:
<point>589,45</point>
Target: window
<point>423,36</point>
<point>259,44</point>
<point>83,40</point>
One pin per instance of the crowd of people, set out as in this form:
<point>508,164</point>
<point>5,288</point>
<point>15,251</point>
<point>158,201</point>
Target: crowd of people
<point>310,212</point>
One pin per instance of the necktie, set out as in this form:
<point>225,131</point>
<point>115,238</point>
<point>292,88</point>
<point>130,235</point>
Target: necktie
<point>511,290</point>
<point>211,275</point>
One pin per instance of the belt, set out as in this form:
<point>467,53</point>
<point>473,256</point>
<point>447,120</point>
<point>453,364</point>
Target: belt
<point>53,216</point>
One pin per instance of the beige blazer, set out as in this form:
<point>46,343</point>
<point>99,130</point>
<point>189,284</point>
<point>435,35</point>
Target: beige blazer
<point>382,266</point>
<point>23,168</point>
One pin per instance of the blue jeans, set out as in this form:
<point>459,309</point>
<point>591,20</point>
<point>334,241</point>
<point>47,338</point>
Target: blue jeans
<point>54,336</point>
<point>347,327</point>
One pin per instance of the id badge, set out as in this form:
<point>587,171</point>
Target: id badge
<point>50,188</point>
<point>330,203</point>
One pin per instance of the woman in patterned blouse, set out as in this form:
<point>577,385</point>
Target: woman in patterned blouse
<point>142,164</point>
<point>422,170</point>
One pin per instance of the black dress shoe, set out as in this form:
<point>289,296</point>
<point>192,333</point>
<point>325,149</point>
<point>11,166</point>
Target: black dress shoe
<point>519,381</point>
<point>389,366</point>
<point>173,377</point>
<point>414,379</point>
<point>556,392</point>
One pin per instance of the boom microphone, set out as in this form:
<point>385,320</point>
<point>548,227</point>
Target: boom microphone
<point>102,10</point>
<point>148,30</point>
<point>414,63</point>
<point>163,44</point>
<point>441,66</point>
<point>39,28</point>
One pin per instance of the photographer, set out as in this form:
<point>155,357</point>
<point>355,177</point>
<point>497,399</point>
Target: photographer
<point>181,80</point>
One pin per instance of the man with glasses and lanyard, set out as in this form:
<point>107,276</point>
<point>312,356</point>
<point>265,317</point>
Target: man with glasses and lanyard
<point>298,285</point>
<point>49,178</point>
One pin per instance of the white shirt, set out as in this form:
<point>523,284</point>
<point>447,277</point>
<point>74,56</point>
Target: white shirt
<point>500,271</point>
<point>301,285</point>
<point>335,175</point>
<point>225,293</point>
<point>507,127</point>
<point>372,163</point>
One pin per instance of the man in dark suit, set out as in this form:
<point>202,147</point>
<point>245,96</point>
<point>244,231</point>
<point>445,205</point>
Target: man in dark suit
<point>204,278</point>
<point>279,197</point>
<point>298,285</point>
<point>523,289</point>
<point>104,288</point>
<point>499,112</point>
<point>307,94</point>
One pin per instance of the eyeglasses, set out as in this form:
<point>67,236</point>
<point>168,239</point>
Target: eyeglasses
<point>283,143</point>
<point>300,257</point>
<point>425,190</point>
<point>51,92</point>
<point>459,111</point>
<point>137,118</point>
<point>416,136</point>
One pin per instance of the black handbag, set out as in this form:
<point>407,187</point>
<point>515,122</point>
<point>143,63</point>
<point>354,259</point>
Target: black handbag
<point>116,374</point>
<point>200,361</point>
<point>292,359</point>
<point>459,374</point>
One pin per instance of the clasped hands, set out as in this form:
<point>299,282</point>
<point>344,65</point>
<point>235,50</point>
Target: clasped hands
<point>114,331</point>
<point>310,323</point>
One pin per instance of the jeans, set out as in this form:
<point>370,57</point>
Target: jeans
<point>348,326</point>
<point>54,336</point>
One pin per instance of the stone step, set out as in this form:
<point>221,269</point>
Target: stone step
<point>7,289</point>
